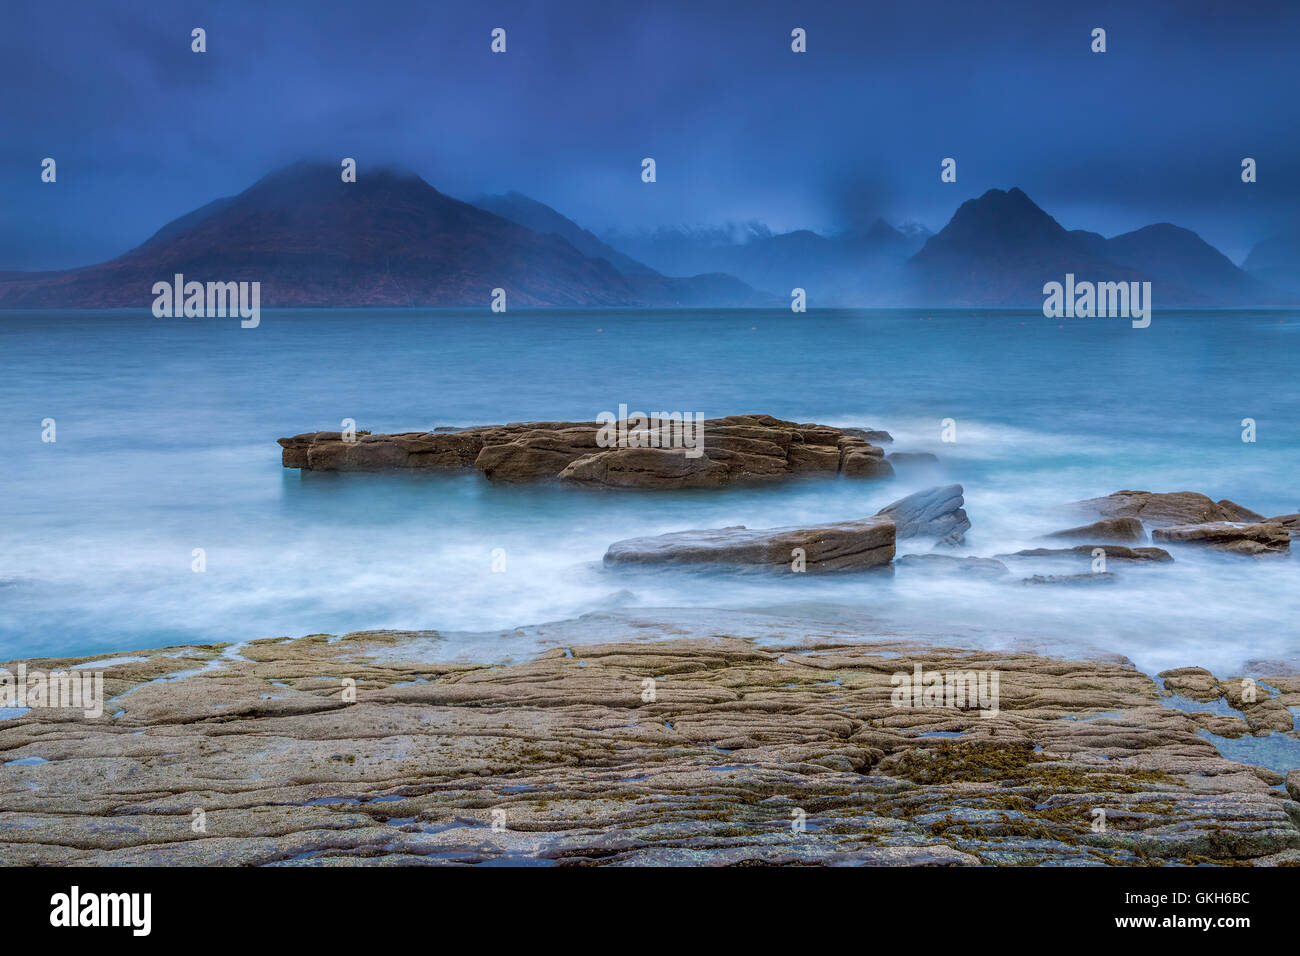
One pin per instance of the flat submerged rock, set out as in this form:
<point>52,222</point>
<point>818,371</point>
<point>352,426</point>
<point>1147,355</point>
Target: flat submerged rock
<point>663,751</point>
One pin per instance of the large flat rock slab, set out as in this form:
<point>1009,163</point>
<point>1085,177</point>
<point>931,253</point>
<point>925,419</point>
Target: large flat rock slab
<point>838,546</point>
<point>654,454</point>
<point>663,750</point>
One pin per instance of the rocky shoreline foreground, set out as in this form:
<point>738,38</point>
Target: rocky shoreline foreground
<point>724,743</point>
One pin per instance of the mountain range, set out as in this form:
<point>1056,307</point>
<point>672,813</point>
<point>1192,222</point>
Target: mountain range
<point>1276,261</point>
<point>391,239</point>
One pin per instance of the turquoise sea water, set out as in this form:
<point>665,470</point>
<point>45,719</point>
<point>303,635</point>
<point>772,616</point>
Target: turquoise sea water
<point>166,435</point>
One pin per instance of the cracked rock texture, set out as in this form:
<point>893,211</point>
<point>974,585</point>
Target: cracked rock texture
<point>1261,539</point>
<point>841,546</point>
<point>666,750</point>
<point>934,512</point>
<point>736,449</point>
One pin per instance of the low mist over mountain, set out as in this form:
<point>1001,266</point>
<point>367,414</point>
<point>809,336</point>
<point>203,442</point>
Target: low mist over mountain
<point>540,217</point>
<point>849,269</point>
<point>1276,261</point>
<point>389,239</point>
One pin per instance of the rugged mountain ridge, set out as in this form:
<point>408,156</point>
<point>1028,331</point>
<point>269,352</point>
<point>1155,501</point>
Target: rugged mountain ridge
<point>389,239</point>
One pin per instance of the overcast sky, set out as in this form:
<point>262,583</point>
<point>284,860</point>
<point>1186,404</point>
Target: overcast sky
<point>741,128</point>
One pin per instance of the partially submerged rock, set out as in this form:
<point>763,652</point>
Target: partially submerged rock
<point>1105,531</point>
<point>1157,509</point>
<point>951,564</point>
<point>934,512</point>
<point>1290,522</point>
<point>659,454</point>
<point>839,546</point>
<point>1096,577</point>
<point>875,436</point>
<point>1084,552</point>
<point>912,458</point>
<point>1261,539</point>
<point>865,461</point>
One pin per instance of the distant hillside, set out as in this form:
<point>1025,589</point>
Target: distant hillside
<point>540,217</point>
<point>999,250</point>
<point>389,239</point>
<point>1276,261</point>
<point>854,268</point>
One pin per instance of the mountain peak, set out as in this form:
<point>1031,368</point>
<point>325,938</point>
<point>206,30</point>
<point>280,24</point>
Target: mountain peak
<point>388,239</point>
<point>997,221</point>
<point>882,230</point>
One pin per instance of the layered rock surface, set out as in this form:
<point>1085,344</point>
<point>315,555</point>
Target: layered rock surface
<point>1106,531</point>
<point>1259,539</point>
<point>1158,510</point>
<point>839,546</point>
<point>684,751</point>
<point>735,449</point>
<point>1084,552</point>
<point>934,512</point>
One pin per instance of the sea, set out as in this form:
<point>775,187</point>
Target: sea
<point>160,513</point>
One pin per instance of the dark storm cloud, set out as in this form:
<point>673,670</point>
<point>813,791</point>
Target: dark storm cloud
<point>741,128</point>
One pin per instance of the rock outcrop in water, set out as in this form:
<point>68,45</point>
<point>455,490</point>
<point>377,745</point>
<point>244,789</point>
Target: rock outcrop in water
<point>951,564</point>
<point>1084,553</point>
<point>1260,539</point>
<point>1290,522</point>
<point>840,546</point>
<point>1160,510</point>
<point>736,449</point>
<point>1105,531</point>
<point>1071,580</point>
<point>934,512</point>
<point>1189,518</point>
<point>575,763</point>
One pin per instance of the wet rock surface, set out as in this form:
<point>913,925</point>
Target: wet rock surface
<point>935,512</point>
<point>840,546</point>
<point>1106,531</point>
<point>1071,580</point>
<point>952,564</point>
<point>1084,552</point>
<point>1158,510</point>
<point>636,454</point>
<point>678,750</point>
<point>1290,522</point>
<point>1262,539</point>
